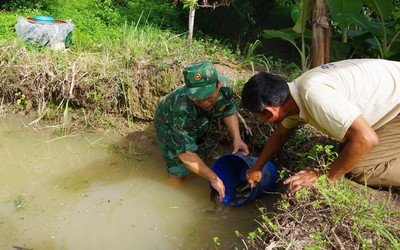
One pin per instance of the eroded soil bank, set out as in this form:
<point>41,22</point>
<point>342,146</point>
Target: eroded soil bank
<point>96,87</point>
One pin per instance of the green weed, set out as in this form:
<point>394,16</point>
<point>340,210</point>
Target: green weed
<point>331,216</point>
<point>216,241</point>
<point>191,233</point>
<point>20,100</point>
<point>252,58</point>
<point>323,155</point>
<point>20,202</point>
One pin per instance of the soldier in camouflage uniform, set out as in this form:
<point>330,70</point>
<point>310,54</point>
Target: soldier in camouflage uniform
<point>183,118</point>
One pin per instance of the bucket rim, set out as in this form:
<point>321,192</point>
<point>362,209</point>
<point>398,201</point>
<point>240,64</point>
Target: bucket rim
<point>241,156</point>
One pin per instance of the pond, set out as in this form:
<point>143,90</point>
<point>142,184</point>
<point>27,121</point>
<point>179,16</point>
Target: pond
<point>104,191</point>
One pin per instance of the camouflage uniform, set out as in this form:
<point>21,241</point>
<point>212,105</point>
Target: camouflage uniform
<point>182,126</point>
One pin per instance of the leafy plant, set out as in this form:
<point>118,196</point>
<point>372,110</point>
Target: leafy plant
<point>20,100</point>
<point>25,4</point>
<point>105,10</point>
<point>298,32</point>
<point>282,174</point>
<point>336,7</point>
<point>323,155</point>
<point>374,27</point>
<point>364,27</point>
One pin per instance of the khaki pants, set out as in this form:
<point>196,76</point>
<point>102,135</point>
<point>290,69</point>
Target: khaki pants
<point>381,167</point>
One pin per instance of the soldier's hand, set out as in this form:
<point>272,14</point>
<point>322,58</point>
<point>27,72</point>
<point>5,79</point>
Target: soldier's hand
<point>240,147</point>
<point>219,186</point>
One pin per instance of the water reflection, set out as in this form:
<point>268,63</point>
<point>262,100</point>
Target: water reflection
<point>101,191</point>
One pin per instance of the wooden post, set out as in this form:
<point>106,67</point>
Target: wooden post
<point>320,34</point>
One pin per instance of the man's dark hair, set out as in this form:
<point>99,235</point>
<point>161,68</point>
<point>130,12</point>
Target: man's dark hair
<point>264,90</point>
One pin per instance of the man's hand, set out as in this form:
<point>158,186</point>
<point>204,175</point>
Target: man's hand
<point>218,185</point>
<point>240,147</point>
<point>253,176</point>
<point>302,179</point>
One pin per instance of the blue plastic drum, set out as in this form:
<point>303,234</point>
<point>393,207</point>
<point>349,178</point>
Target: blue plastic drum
<point>231,169</point>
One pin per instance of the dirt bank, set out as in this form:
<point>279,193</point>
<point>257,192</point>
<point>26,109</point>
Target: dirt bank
<point>90,90</point>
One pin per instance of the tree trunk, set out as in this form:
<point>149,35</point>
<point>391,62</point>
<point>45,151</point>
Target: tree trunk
<point>192,11</point>
<point>320,33</point>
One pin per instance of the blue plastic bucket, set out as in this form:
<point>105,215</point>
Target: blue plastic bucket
<point>43,19</point>
<point>231,169</point>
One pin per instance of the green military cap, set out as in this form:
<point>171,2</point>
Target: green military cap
<point>200,79</point>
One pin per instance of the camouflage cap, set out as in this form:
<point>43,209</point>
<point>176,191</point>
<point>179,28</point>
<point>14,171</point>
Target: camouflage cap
<point>200,79</point>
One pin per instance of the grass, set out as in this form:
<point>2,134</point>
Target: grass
<point>333,215</point>
<point>336,215</point>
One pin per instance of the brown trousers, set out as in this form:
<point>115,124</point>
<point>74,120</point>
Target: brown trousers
<point>381,167</point>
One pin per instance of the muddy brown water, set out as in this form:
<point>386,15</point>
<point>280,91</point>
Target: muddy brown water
<point>102,191</point>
